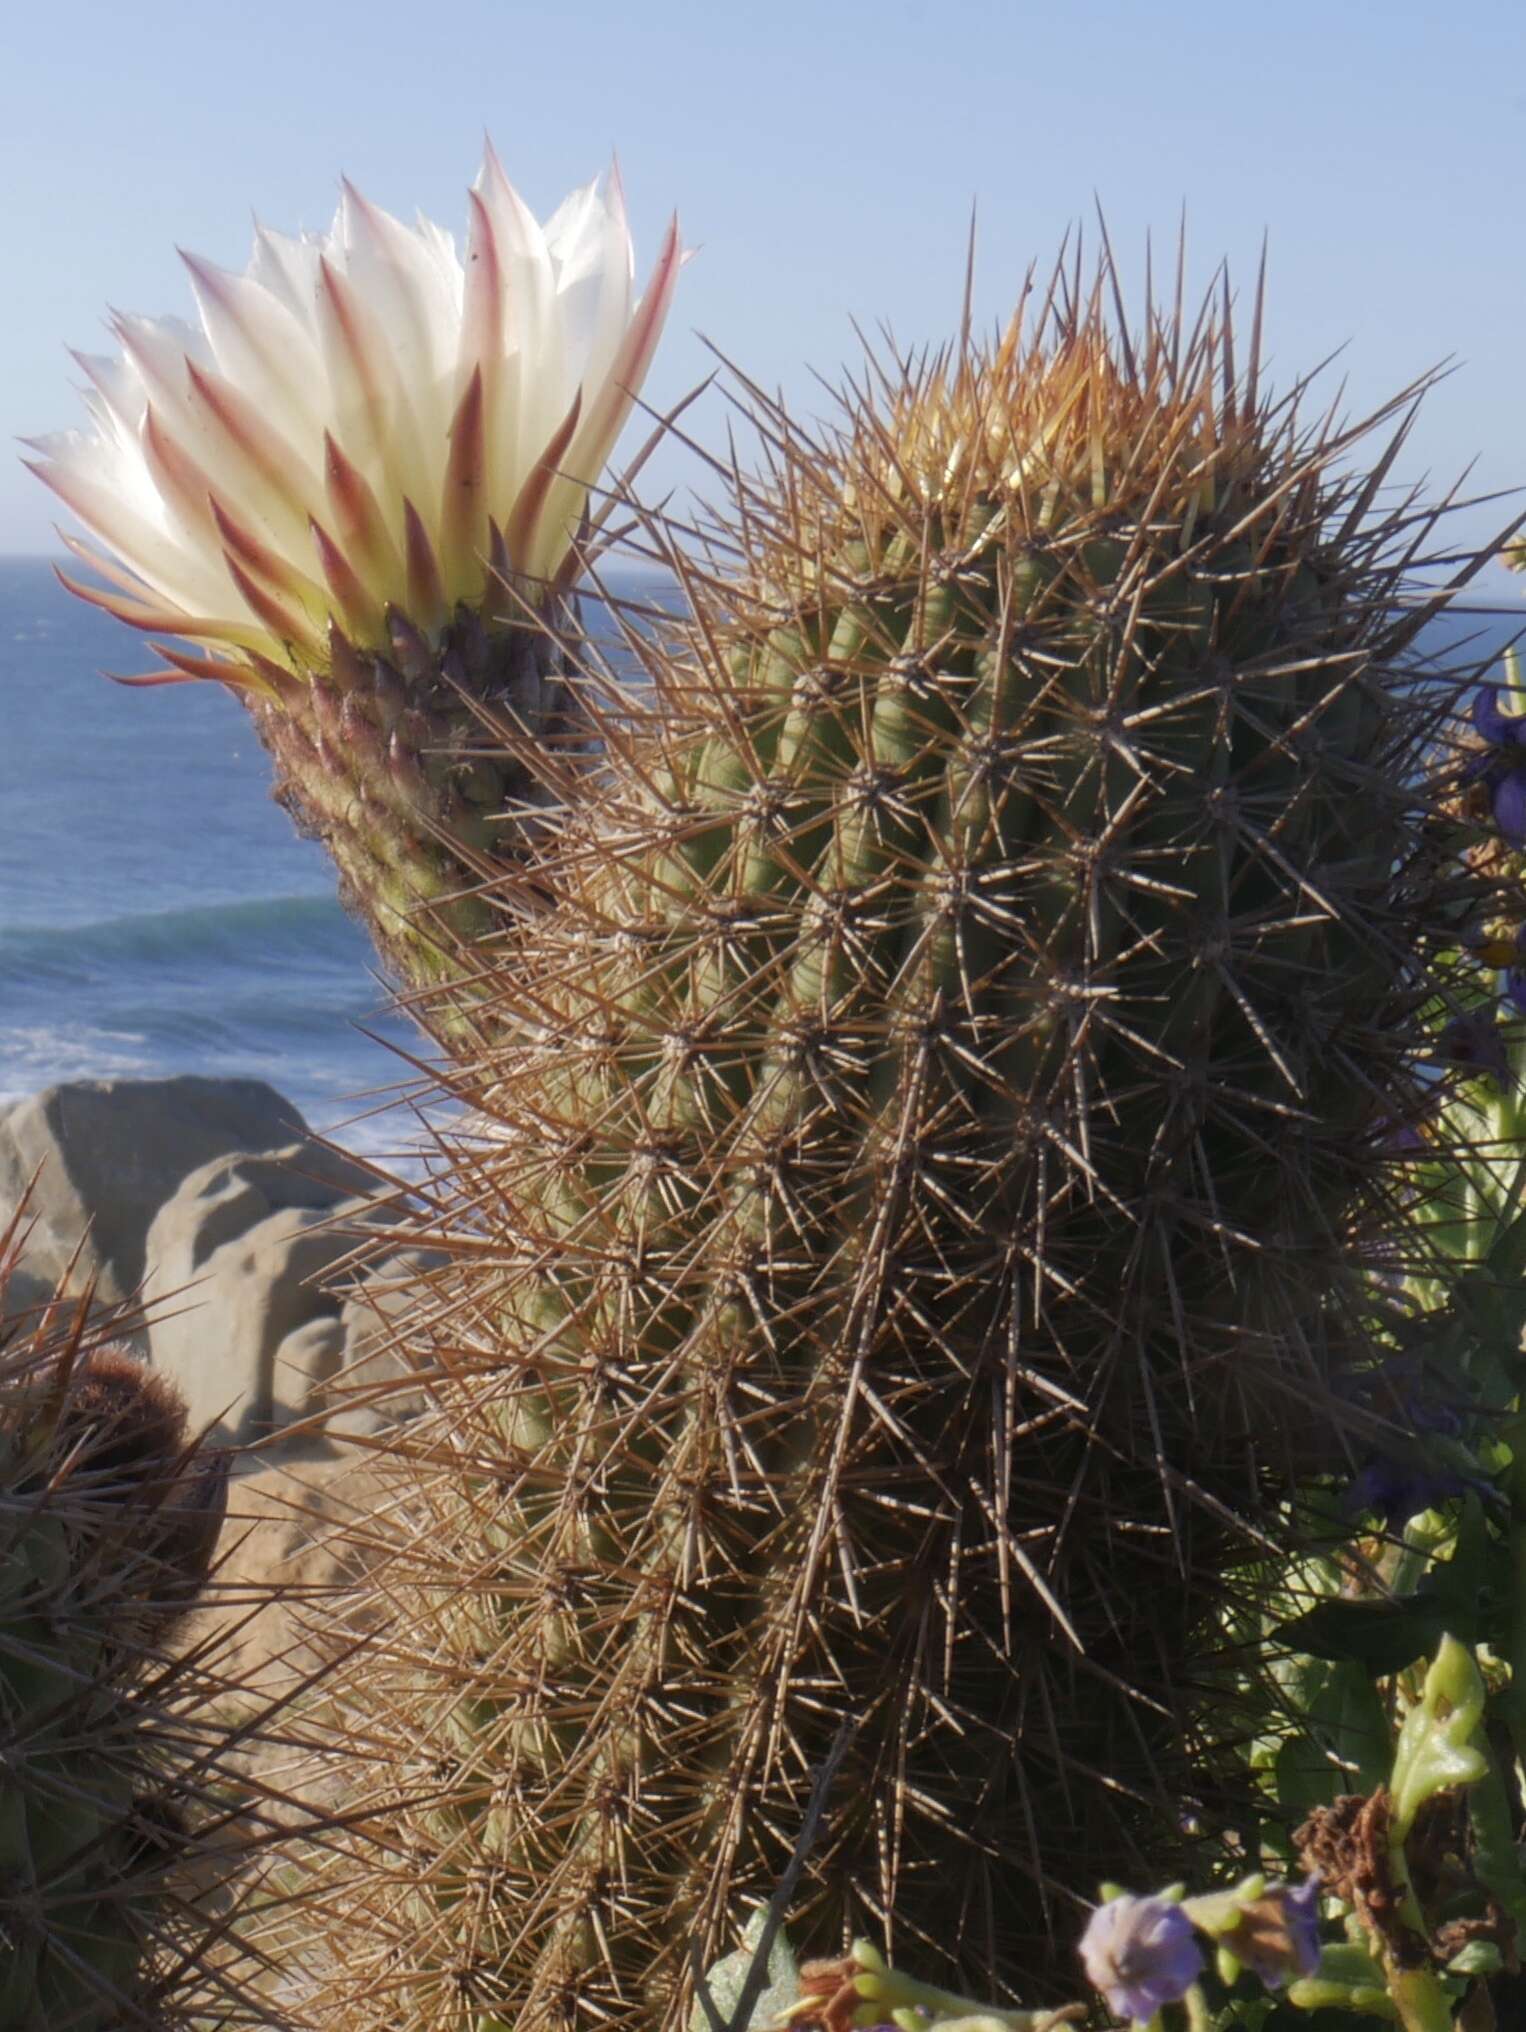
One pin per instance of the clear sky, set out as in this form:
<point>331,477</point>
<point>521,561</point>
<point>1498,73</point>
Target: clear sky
<point>823,157</point>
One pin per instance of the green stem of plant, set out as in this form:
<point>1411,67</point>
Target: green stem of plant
<point>1199,2017</point>
<point>1514,1702</point>
<point>1414,1556</point>
<point>1422,2003</point>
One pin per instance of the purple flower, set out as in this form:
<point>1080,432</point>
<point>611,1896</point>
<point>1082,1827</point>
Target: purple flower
<point>1402,1139</point>
<point>1300,1911</point>
<point>1141,1953</point>
<point>1403,1388</point>
<point>1500,729</point>
<point>1397,1490</point>
<point>1503,763</point>
<point>1277,1935</point>
<point>1405,1475</point>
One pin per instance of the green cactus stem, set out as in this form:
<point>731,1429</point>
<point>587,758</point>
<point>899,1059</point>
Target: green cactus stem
<point>927,1155</point>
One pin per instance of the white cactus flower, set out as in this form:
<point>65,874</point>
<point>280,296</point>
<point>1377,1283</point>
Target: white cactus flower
<point>360,422</point>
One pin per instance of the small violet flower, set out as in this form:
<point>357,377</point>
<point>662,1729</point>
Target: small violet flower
<point>1397,1490</point>
<point>1502,765</point>
<point>1141,1953</point>
<point>1276,1936</point>
<point>1404,1139</point>
<point>1405,1477</point>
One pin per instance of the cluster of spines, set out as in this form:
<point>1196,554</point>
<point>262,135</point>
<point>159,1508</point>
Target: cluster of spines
<point>937,1088</point>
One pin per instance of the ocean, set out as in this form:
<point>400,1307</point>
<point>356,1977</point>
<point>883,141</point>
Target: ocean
<point>158,913</point>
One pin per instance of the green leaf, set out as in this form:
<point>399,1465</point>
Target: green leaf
<point>727,1979</point>
<point>1435,1749</point>
<point>1347,1979</point>
<point>1478,1958</point>
<point>1382,1636</point>
<point>1344,1746</point>
<point>1496,1856</point>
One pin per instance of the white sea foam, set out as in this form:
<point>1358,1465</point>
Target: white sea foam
<point>38,1057</point>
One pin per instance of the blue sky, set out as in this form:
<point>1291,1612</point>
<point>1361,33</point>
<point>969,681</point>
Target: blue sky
<point>823,158</point>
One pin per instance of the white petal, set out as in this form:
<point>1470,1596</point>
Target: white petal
<point>159,348</point>
<point>116,500</point>
<point>168,355</point>
<point>287,265</point>
<point>542,380</point>
<point>606,405</point>
<point>372,419</point>
<point>116,399</point>
<point>413,307</point>
<point>573,233</point>
<point>615,290</point>
<point>262,345</point>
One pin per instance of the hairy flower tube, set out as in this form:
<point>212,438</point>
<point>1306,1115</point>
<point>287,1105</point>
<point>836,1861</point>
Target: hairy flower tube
<point>356,488</point>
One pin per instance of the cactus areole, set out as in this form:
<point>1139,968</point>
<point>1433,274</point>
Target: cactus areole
<point>356,491</point>
<point>939,1120</point>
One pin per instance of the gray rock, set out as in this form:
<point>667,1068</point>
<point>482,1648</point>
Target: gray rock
<point>304,1360</point>
<point>250,1287</point>
<point>370,1389</point>
<point>109,1153</point>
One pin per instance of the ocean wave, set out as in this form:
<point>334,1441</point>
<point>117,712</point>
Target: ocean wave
<point>261,931</point>
<point>277,988</point>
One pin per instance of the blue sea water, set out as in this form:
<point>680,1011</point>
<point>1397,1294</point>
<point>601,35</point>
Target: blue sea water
<point>158,914</point>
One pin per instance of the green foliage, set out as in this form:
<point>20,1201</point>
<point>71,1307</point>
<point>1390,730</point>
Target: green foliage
<point>728,1982</point>
<point>1423,1918</point>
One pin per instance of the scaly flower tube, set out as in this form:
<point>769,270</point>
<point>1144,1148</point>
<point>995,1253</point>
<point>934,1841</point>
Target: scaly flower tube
<point>357,489</point>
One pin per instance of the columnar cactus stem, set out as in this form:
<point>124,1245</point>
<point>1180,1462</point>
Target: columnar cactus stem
<point>940,1131</point>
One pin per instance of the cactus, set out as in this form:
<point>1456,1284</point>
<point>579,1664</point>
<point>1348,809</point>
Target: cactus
<point>117,1772</point>
<point>938,1116</point>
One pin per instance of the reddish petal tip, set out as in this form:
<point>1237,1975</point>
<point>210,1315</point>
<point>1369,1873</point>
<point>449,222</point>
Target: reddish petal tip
<point>147,680</point>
